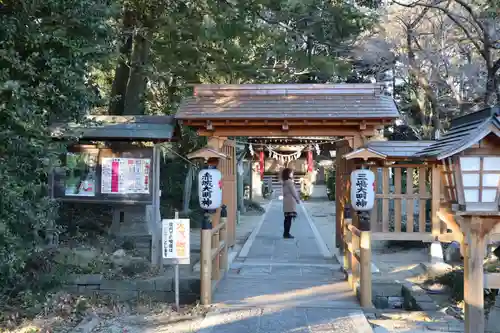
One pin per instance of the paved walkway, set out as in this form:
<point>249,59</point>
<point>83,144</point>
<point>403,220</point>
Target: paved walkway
<point>284,285</point>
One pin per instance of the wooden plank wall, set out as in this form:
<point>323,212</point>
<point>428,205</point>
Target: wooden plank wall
<point>342,175</point>
<point>228,170</point>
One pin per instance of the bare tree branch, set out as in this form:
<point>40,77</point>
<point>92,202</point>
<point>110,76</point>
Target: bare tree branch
<point>451,16</point>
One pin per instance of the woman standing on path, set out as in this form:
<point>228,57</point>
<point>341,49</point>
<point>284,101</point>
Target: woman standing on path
<point>290,201</point>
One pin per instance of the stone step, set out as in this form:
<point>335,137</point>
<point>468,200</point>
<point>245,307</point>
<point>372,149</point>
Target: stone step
<point>399,321</point>
<point>405,326</point>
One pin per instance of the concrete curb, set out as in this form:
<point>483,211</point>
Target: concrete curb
<point>238,249</point>
<point>319,240</point>
<point>248,244</point>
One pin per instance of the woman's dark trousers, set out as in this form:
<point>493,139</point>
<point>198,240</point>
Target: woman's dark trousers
<point>287,224</point>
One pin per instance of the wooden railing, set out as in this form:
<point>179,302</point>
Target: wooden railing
<point>396,216</point>
<point>357,262</point>
<point>214,251</point>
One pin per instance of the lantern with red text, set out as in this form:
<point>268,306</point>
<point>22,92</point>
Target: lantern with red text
<point>210,188</point>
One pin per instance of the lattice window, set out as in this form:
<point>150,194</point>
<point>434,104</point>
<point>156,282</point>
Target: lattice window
<point>480,178</point>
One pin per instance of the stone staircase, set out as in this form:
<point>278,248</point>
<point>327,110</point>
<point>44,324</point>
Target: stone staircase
<point>276,183</point>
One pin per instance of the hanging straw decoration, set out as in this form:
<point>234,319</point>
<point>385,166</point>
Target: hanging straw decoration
<point>250,148</point>
<point>284,158</point>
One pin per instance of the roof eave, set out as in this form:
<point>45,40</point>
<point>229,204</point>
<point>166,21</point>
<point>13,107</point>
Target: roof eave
<point>365,154</point>
<point>468,142</point>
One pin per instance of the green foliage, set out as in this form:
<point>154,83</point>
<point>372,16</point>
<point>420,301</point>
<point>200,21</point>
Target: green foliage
<point>330,183</point>
<point>61,60</point>
<point>49,49</point>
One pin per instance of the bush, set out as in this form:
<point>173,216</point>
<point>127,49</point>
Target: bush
<point>48,50</point>
<point>330,183</point>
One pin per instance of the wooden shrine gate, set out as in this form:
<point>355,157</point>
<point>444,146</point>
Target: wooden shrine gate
<point>355,112</point>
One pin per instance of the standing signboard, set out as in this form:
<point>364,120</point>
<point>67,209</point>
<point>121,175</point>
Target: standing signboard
<point>176,247</point>
<point>175,240</point>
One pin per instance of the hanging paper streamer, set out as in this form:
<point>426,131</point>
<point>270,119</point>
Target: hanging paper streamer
<point>261,164</point>
<point>309,161</point>
<point>284,158</point>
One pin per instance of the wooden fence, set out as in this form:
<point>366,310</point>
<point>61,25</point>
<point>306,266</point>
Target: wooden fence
<point>228,169</point>
<point>407,199</point>
<point>214,251</point>
<point>357,262</point>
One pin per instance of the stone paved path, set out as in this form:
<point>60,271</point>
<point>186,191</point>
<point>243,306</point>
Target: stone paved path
<point>284,285</point>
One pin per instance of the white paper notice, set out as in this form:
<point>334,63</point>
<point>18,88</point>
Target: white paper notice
<point>175,239</point>
<point>125,175</point>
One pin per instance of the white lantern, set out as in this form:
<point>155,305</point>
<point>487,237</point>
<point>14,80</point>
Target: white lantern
<point>210,189</point>
<point>362,190</point>
<point>473,182</point>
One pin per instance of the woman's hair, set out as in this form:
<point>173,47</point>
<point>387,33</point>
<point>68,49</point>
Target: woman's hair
<point>285,174</point>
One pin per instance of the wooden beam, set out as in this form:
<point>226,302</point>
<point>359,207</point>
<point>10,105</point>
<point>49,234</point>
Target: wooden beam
<point>448,218</point>
<point>425,237</point>
<point>270,131</point>
<point>260,122</point>
<point>436,200</point>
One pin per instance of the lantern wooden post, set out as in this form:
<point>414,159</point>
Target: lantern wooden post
<point>362,201</point>
<point>473,275</point>
<point>365,286</point>
<point>223,238</point>
<point>211,156</point>
<point>476,226</point>
<point>206,261</point>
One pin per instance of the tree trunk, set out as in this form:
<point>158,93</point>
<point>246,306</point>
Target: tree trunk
<point>136,88</point>
<point>492,94</point>
<point>413,76</point>
<point>122,72</point>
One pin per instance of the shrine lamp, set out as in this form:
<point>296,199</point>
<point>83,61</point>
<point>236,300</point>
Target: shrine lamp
<point>209,177</point>
<point>472,181</point>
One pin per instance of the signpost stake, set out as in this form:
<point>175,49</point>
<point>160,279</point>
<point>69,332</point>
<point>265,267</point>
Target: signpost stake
<point>176,247</point>
<point>176,276</point>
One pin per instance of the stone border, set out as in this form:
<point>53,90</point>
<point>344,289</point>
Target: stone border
<point>416,298</point>
<point>249,242</point>
<point>319,240</point>
<point>158,288</point>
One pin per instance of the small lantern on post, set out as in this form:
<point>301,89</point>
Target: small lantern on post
<point>210,199</point>
<point>470,156</point>
<point>362,201</point>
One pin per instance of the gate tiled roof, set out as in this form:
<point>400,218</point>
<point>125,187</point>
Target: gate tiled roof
<point>295,101</point>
